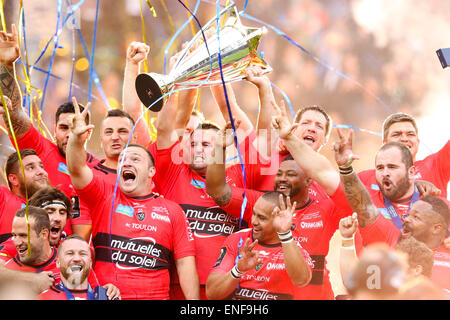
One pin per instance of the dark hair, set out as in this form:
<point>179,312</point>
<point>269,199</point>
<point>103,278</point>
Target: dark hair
<point>48,194</point>
<point>274,197</point>
<point>40,216</point>
<point>440,207</point>
<point>119,113</point>
<point>12,162</point>
<point>329,121</point>
<point>406,154</point>
<point>207,125</point>
<point>69,108</point>
<point>418,254</point>
<point>288,158</point>
<point>397,117</point>
<point>152,160</point>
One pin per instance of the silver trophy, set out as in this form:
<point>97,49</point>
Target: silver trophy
<point>200,67</point>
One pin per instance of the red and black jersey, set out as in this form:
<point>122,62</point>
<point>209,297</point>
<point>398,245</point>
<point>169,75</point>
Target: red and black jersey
<point>268,280</point>
<point>383,230</point>
<point>136,240</point>
<point>315,224</point>
<point>58,174</point>
<point>9,205</point>
<point>209,223</point>
<point>107,174</point>
<point>49,265</point>
<point>435,168</point>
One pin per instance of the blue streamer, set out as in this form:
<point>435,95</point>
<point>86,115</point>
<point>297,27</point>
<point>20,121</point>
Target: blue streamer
<point>73,55</point>
<point>285,98</point>
<point>176,34</point>
<point>91,63</point>
<point>346,126</point>
<point>27,101</point>
<point>56,38</point>
<point>327,66</point>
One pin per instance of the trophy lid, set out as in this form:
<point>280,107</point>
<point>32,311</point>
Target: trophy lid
<point>149,91</point>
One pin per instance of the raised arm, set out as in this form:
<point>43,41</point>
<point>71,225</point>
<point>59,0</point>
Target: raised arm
<point>9,53</point>
<point>136,53</point>
<point>315,165</point>
<point>356,193</point>
<point>216,185</point>
<point>267,109</point>
<point>80,173</point>
<point>347,256</point>
<point>296,266</point>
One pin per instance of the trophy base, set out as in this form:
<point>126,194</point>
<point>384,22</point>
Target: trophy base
<point>149,91</point>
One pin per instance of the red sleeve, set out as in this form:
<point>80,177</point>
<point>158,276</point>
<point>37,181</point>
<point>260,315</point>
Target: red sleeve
<point>168,165</point>
<point>95,194</point>
<point>367,178</point>
<point>234,207</point>
<point>228,252</point>
<point>7,250</point>
<point>33,139</point>
<point>183,244</point>
<point>341,202</point>
<point>381,230</point>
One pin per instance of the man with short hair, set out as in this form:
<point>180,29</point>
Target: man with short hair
<point>58,206</point>
<point>426,219</point>
<point>315,219</point>
<point>34,251</point>
<point>75,262</point>
<point>115,133</point>
<point>135,232</point>
<point>435,168</point>
<point>268,252</point>
<point>20,188</point>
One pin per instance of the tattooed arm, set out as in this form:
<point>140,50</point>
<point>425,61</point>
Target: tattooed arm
<point>9,53</point>
<point>356,193</point>
<point>216,184</point>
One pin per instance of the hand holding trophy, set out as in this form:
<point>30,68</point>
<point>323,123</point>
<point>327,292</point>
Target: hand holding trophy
<point>198,63</point>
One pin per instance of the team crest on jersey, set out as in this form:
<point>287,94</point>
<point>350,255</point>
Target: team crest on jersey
<point>140,215</point>
<point>258,267</point>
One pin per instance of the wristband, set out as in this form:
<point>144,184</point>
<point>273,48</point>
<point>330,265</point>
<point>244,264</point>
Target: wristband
<point>285,237</point>
<point>346,171</point>
<point>236,273</point>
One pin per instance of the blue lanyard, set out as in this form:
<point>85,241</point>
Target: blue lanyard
<point>393,212</point>
<point>69,295</point>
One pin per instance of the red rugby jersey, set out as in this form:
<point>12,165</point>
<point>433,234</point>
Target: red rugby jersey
<point>137,240</point>
<point>49,265</point>
<point>383,230</point>
<point>435,168</point>
<point>58,174</point>
<point>209,223</point>
<point>268,280</point>
<point>315,224</point>
<point>9,205</point>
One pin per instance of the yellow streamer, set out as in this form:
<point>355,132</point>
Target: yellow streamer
<point>13,135</point>
<point>2,16</point>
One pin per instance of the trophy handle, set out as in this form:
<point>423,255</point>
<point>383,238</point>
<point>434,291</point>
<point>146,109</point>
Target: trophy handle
<point>231,7</point>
